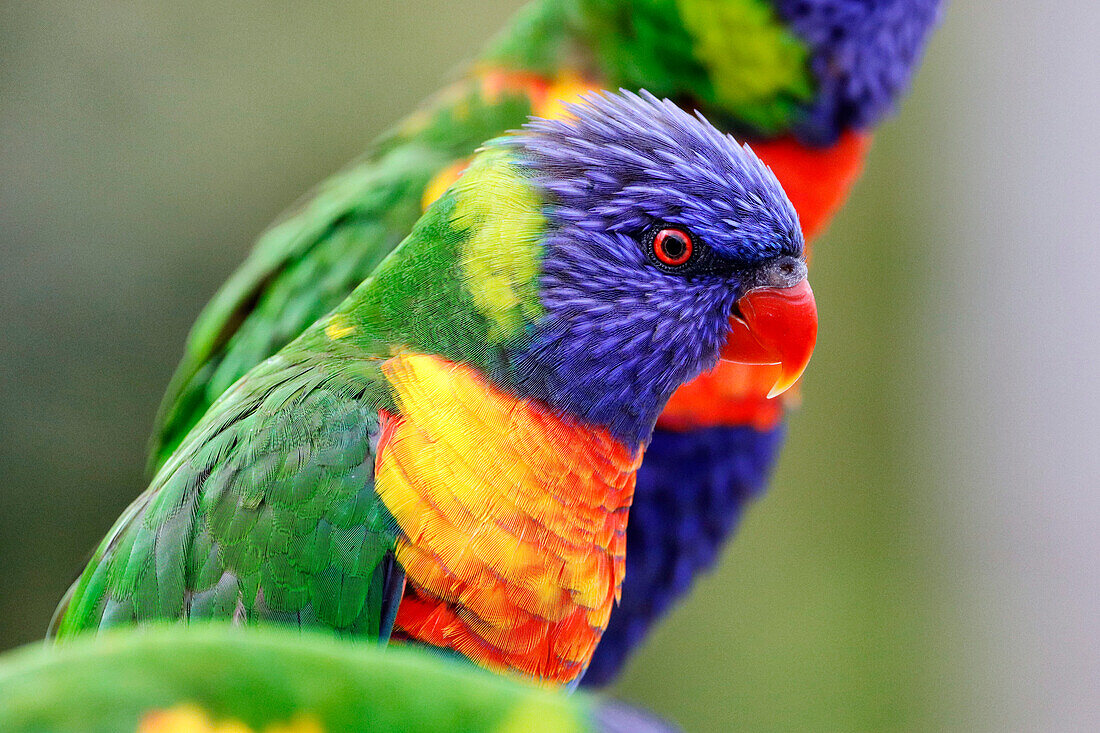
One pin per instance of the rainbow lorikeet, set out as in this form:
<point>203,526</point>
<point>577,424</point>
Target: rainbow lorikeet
<point>215,679</point>
<point>449,456</point>
<point>802,80</point>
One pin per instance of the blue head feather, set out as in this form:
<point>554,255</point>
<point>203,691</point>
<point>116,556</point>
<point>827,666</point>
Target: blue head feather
<point>620,333</point>
<point>862,54</point>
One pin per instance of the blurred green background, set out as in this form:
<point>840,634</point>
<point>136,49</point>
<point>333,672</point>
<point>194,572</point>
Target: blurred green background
<point>924,558</point>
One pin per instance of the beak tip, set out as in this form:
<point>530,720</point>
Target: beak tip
<point>781,329</point>
<point>784,383</point>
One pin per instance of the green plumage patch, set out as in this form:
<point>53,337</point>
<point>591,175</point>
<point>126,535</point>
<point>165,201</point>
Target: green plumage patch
<point>733,58</point>
<point>267,679</point>
<point>267,511</point>
<point>460,286</point>
<point>757,67</point>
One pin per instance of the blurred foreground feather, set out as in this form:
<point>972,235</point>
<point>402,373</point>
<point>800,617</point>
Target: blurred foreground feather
<point>178,679</point>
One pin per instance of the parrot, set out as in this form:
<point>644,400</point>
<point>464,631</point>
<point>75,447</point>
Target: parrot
<point>217,679</point>
<point>803,81</point>
<point>448,458</point>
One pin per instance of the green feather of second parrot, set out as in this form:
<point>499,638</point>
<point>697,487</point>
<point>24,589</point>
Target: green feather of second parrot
<point>735,58</point>
<point>309,261</point>
<point>758,68</point>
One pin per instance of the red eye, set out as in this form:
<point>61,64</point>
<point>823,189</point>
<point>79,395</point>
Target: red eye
<point>672,246</point>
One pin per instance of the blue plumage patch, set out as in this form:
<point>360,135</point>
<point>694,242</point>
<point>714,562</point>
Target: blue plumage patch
<point>863,54</point>
<point>626,160</point>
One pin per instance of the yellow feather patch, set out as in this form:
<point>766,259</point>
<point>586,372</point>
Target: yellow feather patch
<point>500,257</point>
<point>191,718</point>
<point>565,89</point>
<point>531,716</point>
<point>441,181</point>
<point>512,517</point>
<point>338,327</point>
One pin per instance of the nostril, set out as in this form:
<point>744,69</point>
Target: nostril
<point>786,272</point>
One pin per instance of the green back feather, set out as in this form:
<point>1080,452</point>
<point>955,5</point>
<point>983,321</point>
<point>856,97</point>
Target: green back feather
<point>757,68</point>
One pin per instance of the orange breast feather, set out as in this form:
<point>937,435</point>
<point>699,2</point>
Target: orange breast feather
<point>513,521</point>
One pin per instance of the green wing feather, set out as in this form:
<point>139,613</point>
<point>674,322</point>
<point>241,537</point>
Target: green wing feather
<point>268,509</point>
<point>266,512</point>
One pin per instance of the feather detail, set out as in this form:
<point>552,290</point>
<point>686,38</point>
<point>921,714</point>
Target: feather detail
<point>513,520</point>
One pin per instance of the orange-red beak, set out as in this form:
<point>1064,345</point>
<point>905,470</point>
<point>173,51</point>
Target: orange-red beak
<point>774,326</point>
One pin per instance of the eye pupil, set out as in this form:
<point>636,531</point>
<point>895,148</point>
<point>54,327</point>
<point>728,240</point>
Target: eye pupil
<point>672,246</point>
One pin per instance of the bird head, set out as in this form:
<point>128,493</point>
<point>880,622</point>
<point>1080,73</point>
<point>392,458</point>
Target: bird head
<point>665,246</point>
<point>598,261</point>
